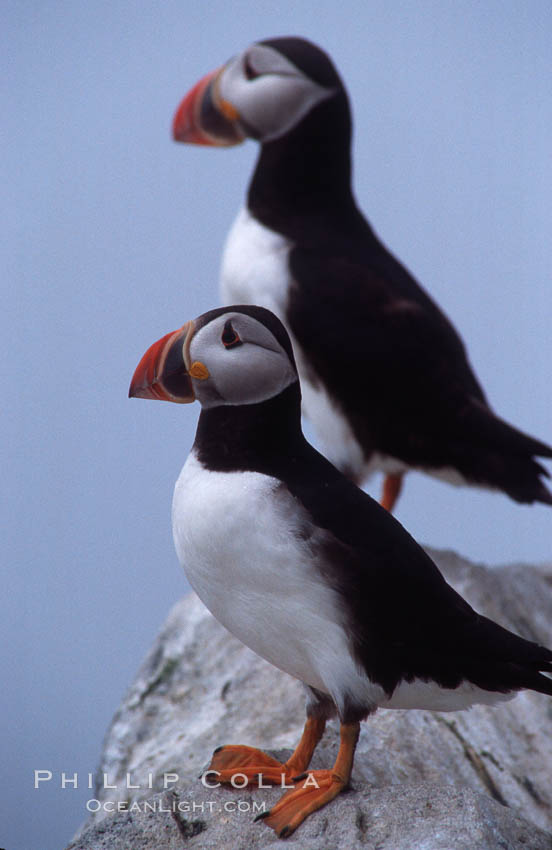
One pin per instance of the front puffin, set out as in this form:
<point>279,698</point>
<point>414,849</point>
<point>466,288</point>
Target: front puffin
<point>239,533</point>
<point>306,569</point>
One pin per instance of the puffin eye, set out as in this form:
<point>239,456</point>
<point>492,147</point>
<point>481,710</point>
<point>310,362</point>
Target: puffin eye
<point>250,72</point>
<point>229,336</point>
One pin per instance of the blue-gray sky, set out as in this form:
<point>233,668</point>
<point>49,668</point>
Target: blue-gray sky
<point>114,236</point>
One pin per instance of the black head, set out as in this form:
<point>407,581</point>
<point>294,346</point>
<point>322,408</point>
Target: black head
<point>229,356</point>
<point>263,92</point>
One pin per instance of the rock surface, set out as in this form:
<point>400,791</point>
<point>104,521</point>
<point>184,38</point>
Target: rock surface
<point>423,816</point>
<point>480,778</point>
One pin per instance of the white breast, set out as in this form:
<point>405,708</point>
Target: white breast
<point>237,537</point>
<point>254,267</point>
<point>255,270</point>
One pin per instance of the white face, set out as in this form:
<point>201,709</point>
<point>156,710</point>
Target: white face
<point>245,362</point>
<point>269,92</point>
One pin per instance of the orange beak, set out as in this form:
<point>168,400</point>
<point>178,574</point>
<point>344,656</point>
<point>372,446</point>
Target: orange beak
<point>204,118</point>
<point>162,373</point>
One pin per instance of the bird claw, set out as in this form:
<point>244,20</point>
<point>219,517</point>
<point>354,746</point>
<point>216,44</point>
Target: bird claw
<point>262,816</point>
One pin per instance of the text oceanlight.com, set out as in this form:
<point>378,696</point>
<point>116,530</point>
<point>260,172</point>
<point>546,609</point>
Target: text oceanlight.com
<point>182,806</point>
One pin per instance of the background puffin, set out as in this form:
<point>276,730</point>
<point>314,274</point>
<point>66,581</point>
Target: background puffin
<point>385,376</point>
<point>305,568</point>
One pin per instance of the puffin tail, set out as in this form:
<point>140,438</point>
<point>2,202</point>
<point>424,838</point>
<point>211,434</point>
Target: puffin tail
<point>510,457</point>
<point>511,662</point>
<point>542,684</point>
<point>536,681</point>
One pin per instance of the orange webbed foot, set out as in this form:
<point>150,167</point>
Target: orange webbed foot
<point>262,769</point>
<point>313,791</point>
<point>239,761</point>
<point>315,788</point>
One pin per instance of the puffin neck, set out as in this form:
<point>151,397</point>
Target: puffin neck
<point>250,437</point>
<point>307,172</point>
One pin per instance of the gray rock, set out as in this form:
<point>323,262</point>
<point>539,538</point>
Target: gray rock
<point>422,816</point>
<point>479,778</point>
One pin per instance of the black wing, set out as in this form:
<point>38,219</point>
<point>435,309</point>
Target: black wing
<point>398,369</point>
<point>405,621</point>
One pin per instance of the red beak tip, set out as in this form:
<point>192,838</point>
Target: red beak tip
<point>134,392</point>
<point>179,126</point>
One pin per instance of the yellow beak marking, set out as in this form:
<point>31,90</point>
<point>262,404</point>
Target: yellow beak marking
<point>198,370</point>
<point>228,110</point>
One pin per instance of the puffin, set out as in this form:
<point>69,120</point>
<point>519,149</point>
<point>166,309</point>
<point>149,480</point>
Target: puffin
<point>386,380</point>
<point>305,568</point>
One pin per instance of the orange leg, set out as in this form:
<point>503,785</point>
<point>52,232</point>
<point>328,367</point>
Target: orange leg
<point>252,763</point>
<point>392,486</point>
<point>314,789</point>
